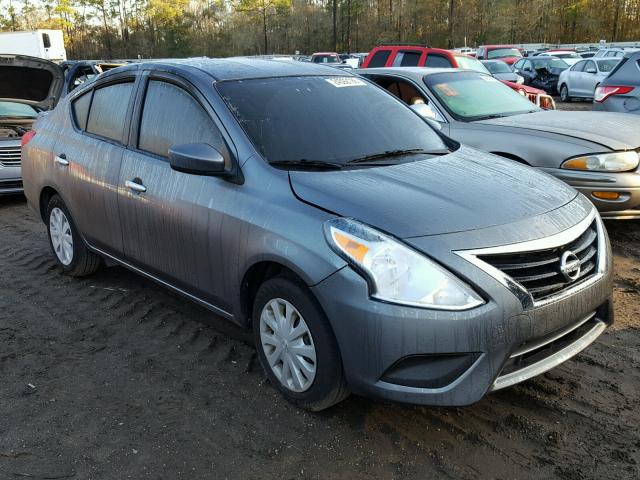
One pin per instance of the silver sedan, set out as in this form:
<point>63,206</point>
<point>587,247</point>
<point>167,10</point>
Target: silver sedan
<point>581,80</point>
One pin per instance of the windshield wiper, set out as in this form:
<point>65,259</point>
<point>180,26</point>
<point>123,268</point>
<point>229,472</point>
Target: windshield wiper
<point>396,153</point>
<point>303,162</point>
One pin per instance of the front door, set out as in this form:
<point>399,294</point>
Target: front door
<point>172,222</point>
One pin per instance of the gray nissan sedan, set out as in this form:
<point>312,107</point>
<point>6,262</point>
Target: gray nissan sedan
<point>597,153</point>
<point>367,252</point>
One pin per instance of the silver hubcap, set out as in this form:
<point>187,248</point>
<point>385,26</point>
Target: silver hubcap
<point>61,237</point>
<point>288,345</point>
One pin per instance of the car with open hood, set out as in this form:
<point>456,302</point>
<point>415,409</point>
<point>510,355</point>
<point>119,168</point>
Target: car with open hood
<point>367,252</point>
<point>541,72</point>
<point>28,86</point>
<point>597,153</point>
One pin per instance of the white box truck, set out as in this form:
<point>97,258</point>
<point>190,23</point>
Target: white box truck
<point>47,44</point>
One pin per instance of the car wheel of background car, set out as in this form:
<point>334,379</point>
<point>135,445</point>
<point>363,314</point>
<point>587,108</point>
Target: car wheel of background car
<point>296,345</point>
<point>68,247</point>
<point>564,93</point>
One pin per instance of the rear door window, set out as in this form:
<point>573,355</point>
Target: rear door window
<point>379,58</point>
<point>171,116</point>
<point>407,58</point>
<point>437,61</point>
<point>108,112</point>
<point>80,108</point>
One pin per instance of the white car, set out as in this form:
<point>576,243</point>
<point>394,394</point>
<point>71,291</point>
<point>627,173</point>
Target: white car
<point>568,56</point>
<point>581,80</point>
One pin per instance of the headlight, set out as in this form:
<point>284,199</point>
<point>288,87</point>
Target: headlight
<point>396,273</point>
<point>604,162</point>
<point>519,80</point>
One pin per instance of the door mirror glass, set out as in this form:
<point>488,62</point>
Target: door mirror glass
<point>424,110</point>
<point>198,159</point>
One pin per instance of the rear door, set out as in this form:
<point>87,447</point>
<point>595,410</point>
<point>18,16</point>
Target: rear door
<point>172,221</point>
<point>88,160</point>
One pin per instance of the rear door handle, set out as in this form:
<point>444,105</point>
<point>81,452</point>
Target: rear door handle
<point>61,160</point>
<point>135,186</point>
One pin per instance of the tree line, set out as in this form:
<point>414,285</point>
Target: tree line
<point>179,28</point>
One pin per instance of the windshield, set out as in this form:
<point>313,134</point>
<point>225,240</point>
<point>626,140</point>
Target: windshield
<point>549,62</point>
<point>326,59</point>
<point>498,67</point>
<point>504,52</point>
<point>607,65</point>
<point>565,55</point>
<point>12,109</point>
<point>471,64</point>
<point>325,119</point>
<point>471,96</point>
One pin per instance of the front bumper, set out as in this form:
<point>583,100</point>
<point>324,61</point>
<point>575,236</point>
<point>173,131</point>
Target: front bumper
<point>627,184</point>
<point>10,180</point>
<point>429,357</point>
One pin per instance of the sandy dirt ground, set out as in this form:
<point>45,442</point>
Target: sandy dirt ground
<point>114,377</point>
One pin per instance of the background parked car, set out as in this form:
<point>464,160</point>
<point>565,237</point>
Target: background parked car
<point>419,56</point>
<point>326,57</point>
<point>507,53</point>
<point>620,90</point>
<point>581,80</point>
<point>570,58</point>
<point>541,72</point>
<point>595,153</point>
<point>28,85</point>
<point>587,54</point>
<point>502,71</point>
<point>614,52</point>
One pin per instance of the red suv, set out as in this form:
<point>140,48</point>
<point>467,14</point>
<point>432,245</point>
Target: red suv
<point>419,56</point>
<point>507,53</point>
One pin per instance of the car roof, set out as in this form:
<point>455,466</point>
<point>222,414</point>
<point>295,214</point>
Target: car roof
<point>238,68</point>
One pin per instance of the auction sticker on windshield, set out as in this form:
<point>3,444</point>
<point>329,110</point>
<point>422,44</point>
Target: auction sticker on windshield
<point>345,82</point>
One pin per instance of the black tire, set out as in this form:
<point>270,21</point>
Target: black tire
<point>564,93</point>
<point>328,386</point>
<point>83,261</point>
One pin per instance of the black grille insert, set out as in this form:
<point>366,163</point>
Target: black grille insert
<point>539,271</point>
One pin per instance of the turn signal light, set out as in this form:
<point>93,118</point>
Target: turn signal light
<point>27,137</point>
<point>606,195</point>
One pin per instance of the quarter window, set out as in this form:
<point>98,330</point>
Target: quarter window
<point>171,116</point>
<point>437,61</point>
<point>80,107</point>
<point>379,58</point>
<point>109,110</point>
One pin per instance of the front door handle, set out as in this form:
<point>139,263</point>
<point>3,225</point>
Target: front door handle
<point>135,186</point>
<point>61,160</point>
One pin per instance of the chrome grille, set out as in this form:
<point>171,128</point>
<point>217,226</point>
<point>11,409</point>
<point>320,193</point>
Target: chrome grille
<point>539,272</point>
<point>10,156</point>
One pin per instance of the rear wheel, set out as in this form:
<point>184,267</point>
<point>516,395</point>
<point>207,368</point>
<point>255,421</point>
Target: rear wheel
<point>296,346</point>
<point>67,246</point>
<point>564,93</point>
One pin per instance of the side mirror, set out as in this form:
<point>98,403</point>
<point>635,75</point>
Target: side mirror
<point>590,70</point>
<point>427,113</point>
<point>198,159</point>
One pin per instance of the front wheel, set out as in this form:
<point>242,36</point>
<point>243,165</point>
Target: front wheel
<point>564,93</point>
<point>296,346</point>
<point>66,244</point>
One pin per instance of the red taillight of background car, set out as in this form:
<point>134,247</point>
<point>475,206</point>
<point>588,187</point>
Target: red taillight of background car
<point>27,137</point>
<point>602,93</point>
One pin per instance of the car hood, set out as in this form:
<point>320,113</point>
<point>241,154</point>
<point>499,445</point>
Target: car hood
<point>614,131</point>
<point>465,190</point>
<point>30,80</point>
